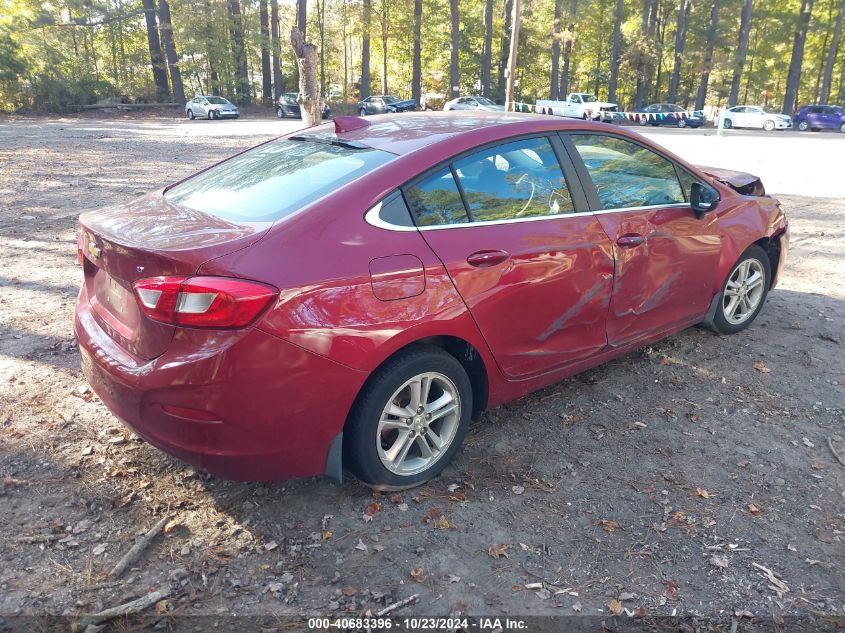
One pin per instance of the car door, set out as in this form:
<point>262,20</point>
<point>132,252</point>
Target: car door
<point>200,107</point>
<point>532,264</point>
<point>666,257</point>
<point>573,106</point>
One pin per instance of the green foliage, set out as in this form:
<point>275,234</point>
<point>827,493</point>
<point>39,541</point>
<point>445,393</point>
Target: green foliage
<point>59,55</point>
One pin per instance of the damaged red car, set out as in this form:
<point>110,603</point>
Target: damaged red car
<point>349,297</point>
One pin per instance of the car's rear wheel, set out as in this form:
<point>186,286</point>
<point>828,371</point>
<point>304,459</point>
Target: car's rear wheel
<point>842,128</point>
<point>643,121</point>
<point>728,124</point>
<point>280,113</point>
<point>362,112</point>
<point>409,420</point>
<point>769,126</point>
<point>803,126</point>
<point>744,292</point>
<point>682,122</point>
<point>190,114</point>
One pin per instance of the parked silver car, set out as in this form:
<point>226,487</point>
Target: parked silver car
<point>755,117</point>
<point>473,102</point>
<point>211,107</point>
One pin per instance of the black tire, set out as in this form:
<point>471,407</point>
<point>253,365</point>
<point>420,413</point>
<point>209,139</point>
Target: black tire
<point>728,124</point>
<point>682,122</point>
<point>721,323</point>
<point>842,128</point>
<point>280,113</point>
<point>360,451</point>
<point>768,126</point>
<point>362,112</point>
<point>210,115</point>
<point>803,126</point>
<point>191,115</point>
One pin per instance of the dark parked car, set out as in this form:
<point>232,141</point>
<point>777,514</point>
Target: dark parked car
<point>382,104</point>
<point>349,296</point>
<point>288,106</point>
<point>820,117</point>
<point>669,114</point>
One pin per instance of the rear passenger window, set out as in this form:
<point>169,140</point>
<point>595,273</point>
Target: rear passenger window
<point>627,174</point>
<point>436,201</point>
<point>522,179</point>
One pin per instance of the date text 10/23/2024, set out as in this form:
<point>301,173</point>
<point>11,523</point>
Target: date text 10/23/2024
<point>417,624</point>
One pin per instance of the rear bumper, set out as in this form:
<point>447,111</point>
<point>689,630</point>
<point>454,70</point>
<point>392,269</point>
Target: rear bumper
<point>276,407</point>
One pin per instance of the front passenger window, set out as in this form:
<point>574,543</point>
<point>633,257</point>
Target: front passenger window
<point>627,174</point>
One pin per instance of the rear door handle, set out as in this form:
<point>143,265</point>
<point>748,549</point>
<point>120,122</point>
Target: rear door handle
<point>485,259</point>
<point>632,239</point>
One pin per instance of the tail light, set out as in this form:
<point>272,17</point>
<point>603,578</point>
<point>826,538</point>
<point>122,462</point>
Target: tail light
<point>212,302</point>
<point>80,256</point>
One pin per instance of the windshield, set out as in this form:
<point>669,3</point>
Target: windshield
<point>217,100</point>
<point>273,180</point>
<point>588,98</point>
<point>484,101</point>
<point>390,99</point>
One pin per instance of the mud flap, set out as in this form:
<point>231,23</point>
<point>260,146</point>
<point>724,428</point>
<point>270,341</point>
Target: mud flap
<point>707,321</point>
<point>334,462</point>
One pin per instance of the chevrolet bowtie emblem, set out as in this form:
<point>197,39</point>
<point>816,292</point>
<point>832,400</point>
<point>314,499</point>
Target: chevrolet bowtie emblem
<point>93,251</point>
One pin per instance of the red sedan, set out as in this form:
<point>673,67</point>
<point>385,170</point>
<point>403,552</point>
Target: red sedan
<point>351,295</point>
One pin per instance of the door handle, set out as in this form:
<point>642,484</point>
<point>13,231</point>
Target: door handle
<point>629,240</point>
<point>485,259</point>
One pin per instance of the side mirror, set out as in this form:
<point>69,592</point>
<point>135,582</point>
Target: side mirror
<point>703,199</point>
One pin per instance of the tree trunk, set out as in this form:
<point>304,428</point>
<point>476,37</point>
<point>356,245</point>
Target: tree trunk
<point>266,77</point>
<point>504,51</point>
<point>301,15</point>
<point>680,44</point>
<point>510,93</point>
<point>615,51</point>
<point>487,57</point>
<point>793,77</point>
<point>416,73</point>
<point>212,79</point>
<point>309,98</point>
<point>568,43</point>
<point>454,74</point>
<point>365,50</point>
<point>556,37</point>
<point>701,96</point>
<point>276,46</point>
<point>831,55</point>
<point>156,58</point>
<point>385,30</point>
<point>166,27</point>
<point>644,61</point>
<point>321,27</point>
<point>741,51</point>
<point>236,31</point>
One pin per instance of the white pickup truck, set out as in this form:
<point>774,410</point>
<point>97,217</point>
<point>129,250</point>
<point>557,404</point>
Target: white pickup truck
<point>578,105</point>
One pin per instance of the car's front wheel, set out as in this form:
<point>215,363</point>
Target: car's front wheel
<point>682,122</point>
<point>803,126</point>
<point>190,114</point>
<point>842,128</point>
<point>728,124</point>
<point>280,113</point>
<point>409,420</point>
<point>769,126</point>
<point>362,112</point>
<point>744,292</point>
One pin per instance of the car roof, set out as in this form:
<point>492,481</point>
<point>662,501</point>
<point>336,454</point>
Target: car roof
<point>408,132</point>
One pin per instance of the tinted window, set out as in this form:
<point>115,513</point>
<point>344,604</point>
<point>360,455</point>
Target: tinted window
<point>436,200</point>
<point>522,179</point>
<point>275,179</point>
<point>627,174</point>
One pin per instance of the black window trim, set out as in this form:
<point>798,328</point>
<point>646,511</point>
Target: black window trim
<point>589,186</point>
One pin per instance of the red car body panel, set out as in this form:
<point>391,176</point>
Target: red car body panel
<point>275,395</point>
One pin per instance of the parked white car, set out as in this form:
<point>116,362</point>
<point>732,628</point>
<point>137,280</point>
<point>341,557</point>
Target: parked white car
<point>472,102</point>
<point>578,105</point>
<point>755,117</point>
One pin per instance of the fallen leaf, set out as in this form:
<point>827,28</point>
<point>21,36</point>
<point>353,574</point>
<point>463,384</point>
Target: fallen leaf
<point>718,561</point>
<point>395,498</point>
<point>761,367</point>
<point>161,606</point>
<point>361,546</point>
<point>417,574</point>
<point>458,496</point>
<point>625,596</point>
<point>98,549</point>
<point>497,551</point>
<point>701,492</point>
<point>452,487</point>
<point>349,591</point>
<point>327,534</point>
<point>442,523</point>
<point>754,510</point>
<point>576,607</point>
<point>454,578</point>
<point>372,509</point>
<point>671,591</point>
<point>609,526</point>
<point>639,612</point>
<point>518,490</point>
<point>271,546</point>
<point>172,525</point>
<point>431,515</point>
<point>615,607</point>
<point>807,443</point>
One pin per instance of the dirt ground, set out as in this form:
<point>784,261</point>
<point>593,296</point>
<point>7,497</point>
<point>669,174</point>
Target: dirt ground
<point>691,478</point>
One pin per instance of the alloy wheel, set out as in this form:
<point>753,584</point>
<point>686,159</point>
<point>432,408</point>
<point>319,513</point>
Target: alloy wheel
<point>769,126</point>
<point>744,291</point>
<point>418,424</point>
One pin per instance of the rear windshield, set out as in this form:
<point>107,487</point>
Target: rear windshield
<point>273,180</point>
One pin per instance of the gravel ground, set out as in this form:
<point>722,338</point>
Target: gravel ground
<point>690,478</point>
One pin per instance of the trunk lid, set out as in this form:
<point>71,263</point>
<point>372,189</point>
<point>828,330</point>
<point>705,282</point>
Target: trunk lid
<point>145,238</point>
